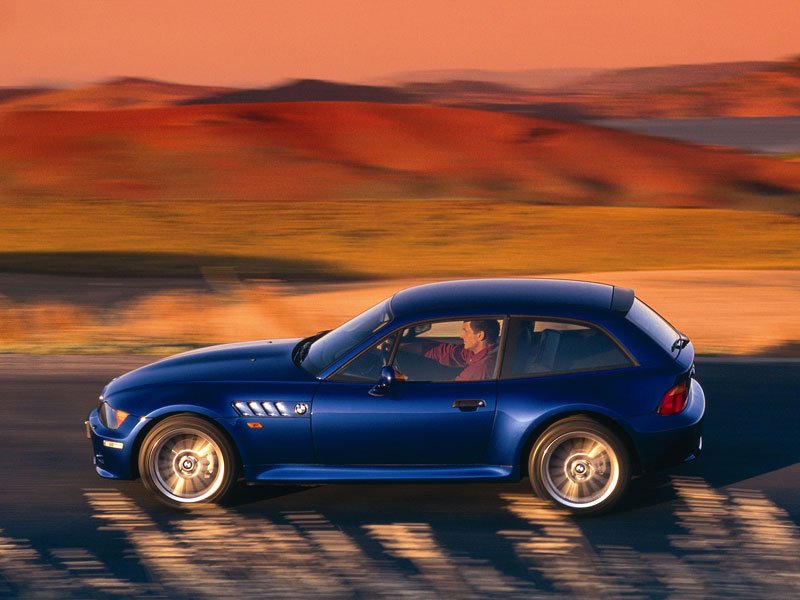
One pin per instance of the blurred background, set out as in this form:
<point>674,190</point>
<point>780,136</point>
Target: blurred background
<point>174,176</point>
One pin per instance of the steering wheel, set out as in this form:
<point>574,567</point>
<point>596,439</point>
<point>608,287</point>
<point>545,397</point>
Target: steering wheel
<point>415,366</point>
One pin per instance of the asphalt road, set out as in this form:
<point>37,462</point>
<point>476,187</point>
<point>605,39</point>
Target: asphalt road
<point>725,525</point>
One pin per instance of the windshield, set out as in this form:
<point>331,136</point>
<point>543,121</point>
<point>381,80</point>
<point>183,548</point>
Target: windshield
<point>335,344</point>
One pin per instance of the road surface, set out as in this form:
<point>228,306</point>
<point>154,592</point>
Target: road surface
<point>723,526</point>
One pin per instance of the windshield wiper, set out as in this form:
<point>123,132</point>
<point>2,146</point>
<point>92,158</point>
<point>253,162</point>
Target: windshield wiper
<point>301,350</point>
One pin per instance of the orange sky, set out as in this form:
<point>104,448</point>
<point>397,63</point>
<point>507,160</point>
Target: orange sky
<point>251,42</point>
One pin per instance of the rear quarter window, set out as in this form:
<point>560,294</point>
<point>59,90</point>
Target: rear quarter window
<point>548,347</point>
<point>653,324</point>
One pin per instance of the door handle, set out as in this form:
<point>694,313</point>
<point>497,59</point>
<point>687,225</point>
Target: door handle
<point>471,403</point>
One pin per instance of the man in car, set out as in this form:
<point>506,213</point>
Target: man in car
<point>476,357</point>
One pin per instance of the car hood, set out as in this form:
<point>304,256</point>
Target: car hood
<point>268,360</point>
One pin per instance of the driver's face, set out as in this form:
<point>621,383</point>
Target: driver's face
<point>471,339</point>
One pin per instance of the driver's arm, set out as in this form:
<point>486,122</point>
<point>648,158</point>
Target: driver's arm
<point>417,347</point>
<point>450,355</point>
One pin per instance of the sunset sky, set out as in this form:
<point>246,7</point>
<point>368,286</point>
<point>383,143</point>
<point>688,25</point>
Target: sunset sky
<point>251,42</point>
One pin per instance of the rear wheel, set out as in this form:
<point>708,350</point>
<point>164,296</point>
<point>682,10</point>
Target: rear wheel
<point>580,465</point>
<point>185,460</point>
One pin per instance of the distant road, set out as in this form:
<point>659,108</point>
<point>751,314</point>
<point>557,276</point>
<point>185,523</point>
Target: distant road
<point>727,525</point>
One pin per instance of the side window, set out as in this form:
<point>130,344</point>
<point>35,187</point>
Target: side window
<point>539,347</point>
<point>449,351</point>
<point>367,365</point>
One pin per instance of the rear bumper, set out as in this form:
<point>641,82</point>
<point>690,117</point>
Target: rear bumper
<point>667,441</point>
<point>113,449</point>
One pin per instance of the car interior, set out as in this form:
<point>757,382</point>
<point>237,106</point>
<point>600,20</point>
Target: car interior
<point>534,348</point>
<point>545,347</point>
<point>410,359</point>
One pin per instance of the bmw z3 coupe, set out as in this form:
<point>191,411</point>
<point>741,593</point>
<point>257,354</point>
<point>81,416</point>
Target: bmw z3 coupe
<point>578,386</point>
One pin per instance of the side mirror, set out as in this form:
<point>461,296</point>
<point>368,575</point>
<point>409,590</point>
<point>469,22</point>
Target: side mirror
<point>385,382</point>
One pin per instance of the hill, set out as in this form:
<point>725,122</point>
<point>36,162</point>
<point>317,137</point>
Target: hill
<point>770,91</point>
<point>674,91</point>
<point>309,90</point>
<point>706,90</point>
<point>650,79</point>
<point>341,150</point>
<point>120,93</point>
<point>11,93</point>
<point>528,79</point>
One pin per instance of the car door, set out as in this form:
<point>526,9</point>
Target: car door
<point>418,422</point>
<point>557,366</point>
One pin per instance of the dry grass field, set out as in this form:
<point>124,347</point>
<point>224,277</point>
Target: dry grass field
<point>350,240</point>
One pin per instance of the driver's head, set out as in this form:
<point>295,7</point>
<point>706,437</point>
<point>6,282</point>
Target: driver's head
<point>480,333</point>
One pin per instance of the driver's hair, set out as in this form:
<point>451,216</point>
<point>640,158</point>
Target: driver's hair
<point>489,327</point>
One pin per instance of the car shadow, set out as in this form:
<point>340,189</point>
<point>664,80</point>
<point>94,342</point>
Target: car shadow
<point>243,495</point>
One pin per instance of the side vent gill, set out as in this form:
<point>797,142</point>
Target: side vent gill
<point>264,409</point>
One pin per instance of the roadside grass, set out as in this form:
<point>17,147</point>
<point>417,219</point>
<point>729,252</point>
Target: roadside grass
<point>723,312</point>
<point>351,240</point>
<point>161,323</point>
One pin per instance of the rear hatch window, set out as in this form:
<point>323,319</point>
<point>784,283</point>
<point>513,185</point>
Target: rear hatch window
<point>654,325</point>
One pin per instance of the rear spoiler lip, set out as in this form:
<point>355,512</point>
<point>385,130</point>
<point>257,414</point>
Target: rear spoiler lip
<point>621,299</point>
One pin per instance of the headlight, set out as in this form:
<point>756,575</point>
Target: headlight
<point>111,417</point>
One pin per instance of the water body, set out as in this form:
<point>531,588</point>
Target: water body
<point>773,135</point>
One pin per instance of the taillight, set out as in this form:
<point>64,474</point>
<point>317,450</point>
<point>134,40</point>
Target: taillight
<point>674,401</point>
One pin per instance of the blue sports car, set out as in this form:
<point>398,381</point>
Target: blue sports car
<point>577,385</point>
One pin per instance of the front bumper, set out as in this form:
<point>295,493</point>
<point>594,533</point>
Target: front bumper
<point>114,449</point>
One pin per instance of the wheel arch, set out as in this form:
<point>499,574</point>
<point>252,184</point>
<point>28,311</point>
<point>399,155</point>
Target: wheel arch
<point>137,444</point>
<point>614,426</point>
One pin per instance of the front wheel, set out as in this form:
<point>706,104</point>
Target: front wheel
<point>186,460</point>
<point>580,465</point>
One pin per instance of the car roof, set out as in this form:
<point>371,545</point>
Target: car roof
<point>507,296</point>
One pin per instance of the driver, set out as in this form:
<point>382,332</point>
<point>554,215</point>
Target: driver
<point>476,357</point>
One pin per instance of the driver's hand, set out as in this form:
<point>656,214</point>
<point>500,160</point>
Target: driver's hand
<point>399,375</point>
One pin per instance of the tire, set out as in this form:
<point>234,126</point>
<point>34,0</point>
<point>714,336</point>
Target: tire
<point>185,461</point>
<point>579,465</point>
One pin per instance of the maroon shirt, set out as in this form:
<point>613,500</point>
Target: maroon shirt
<point>477,365</point>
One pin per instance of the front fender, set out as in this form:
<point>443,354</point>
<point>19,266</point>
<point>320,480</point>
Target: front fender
<point>258,440</point>
<point>187,408</point>
<point>211,400</point>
